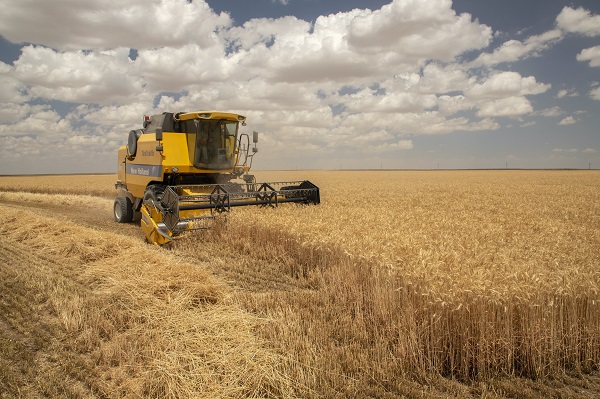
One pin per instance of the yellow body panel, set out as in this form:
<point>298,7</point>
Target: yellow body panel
<point>177,152</point>
<point>154,235</point>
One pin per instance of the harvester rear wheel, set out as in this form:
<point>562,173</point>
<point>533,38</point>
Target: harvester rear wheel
<point>123,210</point>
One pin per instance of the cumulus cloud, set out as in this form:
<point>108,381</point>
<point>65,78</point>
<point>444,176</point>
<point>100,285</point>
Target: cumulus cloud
<point>550,112</point>
<point>77,76</point>
<point>104,24</point>
<point>450,105</point>
<point>510,106</point>
<point>390,147</point>
<point>591,54</point>
<point>37,121</point>
<point>11,113</point>
<point>579,20</point>
<point>595,94</point>
<point>575,150</point>
<point>264,31</point>
<point>567,93</point>
<point>513,50</point>
<point>410,31</point>
<point>13,90</point>
<point>569,120</point>
<point>506,84</point>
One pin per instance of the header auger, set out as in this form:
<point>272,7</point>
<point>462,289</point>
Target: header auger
<point>179,172</point>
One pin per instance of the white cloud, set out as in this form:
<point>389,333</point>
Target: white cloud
<point>510,106</point>
<point>569,120</point>
<point>361,46</point>
<point>104,24</point>
<point>595,94</point>
<point>579,21</point>
<point>438,79</point>
<point>40,121</point>
<point>550,112</point>
<point>265,30</point>
<point>389,147</point>
<point>112,115</point>
<point>575,150</point>
<point>506,84</point>
<point>411,31</point>
<point>175,69</point>
<point>450,105</point>
<point>513,50</point>
<point>77,76</point>
<point>567,93</point>
<point>591,54</point>
<point>12,113</point>
<point>394,101</point>
<point>13,91</point>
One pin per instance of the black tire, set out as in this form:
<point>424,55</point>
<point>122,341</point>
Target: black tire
<point>123,210</point>
<point>153,194</point>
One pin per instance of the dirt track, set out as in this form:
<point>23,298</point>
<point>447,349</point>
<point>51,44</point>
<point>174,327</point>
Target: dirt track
<point>99,218</point>
<point>29,326</point>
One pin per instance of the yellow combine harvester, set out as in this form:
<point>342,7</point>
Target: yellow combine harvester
<point>178,171</point>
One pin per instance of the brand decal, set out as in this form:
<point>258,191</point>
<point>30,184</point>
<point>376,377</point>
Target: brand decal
<point>143,170</point>
<point>147,153</point>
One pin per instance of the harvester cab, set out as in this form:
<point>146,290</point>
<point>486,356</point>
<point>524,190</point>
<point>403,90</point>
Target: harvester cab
<point>181,170</point>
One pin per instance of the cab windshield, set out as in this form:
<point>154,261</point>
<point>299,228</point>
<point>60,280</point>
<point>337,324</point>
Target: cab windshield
<point>216,142</point>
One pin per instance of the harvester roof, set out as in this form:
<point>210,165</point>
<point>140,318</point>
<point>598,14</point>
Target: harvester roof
<point>184,116</point>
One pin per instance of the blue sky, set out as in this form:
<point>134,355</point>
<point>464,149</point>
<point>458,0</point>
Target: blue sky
<point>329,83</point>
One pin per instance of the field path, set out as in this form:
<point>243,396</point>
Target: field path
<point>30,327</point>
<point>97,216</point>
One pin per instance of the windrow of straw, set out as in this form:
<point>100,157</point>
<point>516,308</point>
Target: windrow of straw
<point>109,316</point>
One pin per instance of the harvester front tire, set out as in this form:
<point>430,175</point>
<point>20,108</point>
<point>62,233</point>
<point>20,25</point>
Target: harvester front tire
<point>123,210</point>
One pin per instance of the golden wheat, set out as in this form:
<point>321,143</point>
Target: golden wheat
<point>398,284</point>
<point>470,275</point>
<point>96,185</point>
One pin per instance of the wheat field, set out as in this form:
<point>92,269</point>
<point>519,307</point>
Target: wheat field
<point>399,284</point>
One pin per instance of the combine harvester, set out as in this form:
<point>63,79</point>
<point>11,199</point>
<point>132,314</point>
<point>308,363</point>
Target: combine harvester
<point>178,171</point>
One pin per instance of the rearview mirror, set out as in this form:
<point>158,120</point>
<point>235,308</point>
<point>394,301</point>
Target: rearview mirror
<point>255,137</point>
<point>158,134</point>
